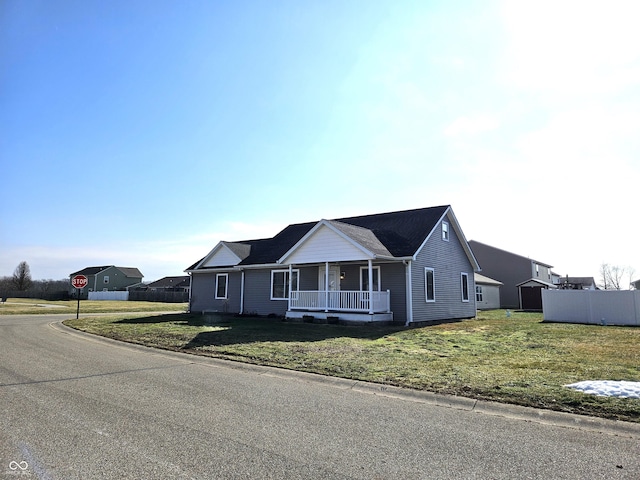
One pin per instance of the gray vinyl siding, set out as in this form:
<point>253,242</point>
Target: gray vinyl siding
<point>490,297</point>
<point>508,268</point>
<point>394,278</point>
<point>257,291</point>
<point>203,293</point>
<point>257,294</point>
<point>448,260</point>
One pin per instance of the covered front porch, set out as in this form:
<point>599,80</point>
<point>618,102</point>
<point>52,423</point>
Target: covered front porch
<point>367,304</point>
<point>335,271</point>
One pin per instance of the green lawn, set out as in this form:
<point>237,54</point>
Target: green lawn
<point>31,306</point>
<point>518,360</point>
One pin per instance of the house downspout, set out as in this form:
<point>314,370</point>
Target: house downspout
<point>409,294</point>
<point>241,292</point>
<point>190,289</point>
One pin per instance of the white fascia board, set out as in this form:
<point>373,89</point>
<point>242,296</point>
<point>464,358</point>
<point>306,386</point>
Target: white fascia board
<point>315,228</point>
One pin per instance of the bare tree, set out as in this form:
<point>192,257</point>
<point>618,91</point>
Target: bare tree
<point>632,274</point>
<point>612,277</point>
<point>22,277</point>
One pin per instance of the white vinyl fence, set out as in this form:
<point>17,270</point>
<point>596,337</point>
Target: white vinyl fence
<point>603,307</point>
<point>109,296</point>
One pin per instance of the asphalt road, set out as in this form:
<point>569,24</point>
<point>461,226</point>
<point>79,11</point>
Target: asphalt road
<point>74,406</point>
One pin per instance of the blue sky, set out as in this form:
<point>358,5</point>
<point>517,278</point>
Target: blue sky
<point>140,133</point>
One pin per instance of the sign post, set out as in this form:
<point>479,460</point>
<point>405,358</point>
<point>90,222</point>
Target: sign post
<point>79,282</point>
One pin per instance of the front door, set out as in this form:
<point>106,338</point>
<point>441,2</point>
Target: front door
<point>333,299</point>
<point>334,279</point>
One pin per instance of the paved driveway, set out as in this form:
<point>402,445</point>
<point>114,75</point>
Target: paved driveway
<point>74,406</point>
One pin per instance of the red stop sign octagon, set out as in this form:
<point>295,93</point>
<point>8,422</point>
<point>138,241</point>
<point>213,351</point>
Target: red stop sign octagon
<point>79,281</point>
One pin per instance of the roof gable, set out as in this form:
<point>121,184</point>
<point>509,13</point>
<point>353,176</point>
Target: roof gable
<point>332,241</point>
<point>225,254</point>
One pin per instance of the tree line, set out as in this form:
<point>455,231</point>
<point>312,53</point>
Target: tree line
<point>21,285</point>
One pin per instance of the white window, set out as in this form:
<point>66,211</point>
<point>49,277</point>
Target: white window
<point>464,278</point>
<point>537,270</point>
<point>222,279</point>
<point>429,284</point>
<point>445,231</point>
<point>478,293</point>
<point>106,279</point>
<point>280,284</point>
<point>364,279</point>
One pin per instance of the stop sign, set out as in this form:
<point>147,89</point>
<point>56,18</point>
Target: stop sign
<point>79,281</point>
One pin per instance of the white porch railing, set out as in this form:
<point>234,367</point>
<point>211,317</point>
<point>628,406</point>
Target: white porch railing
<point>340,300</point>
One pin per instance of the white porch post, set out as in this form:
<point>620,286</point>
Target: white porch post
<point>370,264</point>
<point>290,284</point>
<point>326,287</point>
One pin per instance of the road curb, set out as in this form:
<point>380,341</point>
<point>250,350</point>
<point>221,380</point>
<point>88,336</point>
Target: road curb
<point>516,412</point>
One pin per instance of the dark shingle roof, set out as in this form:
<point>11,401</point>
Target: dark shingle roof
<point>131,272</point>
<point>402,233</point>
<point>398,234</point>
<point>90,270</point>
<point>269,250</point>
<point>363,236</point>
<point>128,271</point>
<point>182,281</point>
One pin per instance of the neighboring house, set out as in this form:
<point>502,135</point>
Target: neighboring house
<point>408,266</point>
<point>513,271</point>
<point>576,283</point>
<point>636,285</point>
<point>108,278</point>
<point>487,292</point>
<point>171,284</point>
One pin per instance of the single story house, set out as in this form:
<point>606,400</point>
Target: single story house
<point>107,279</point>
<point>171,284</point>
<point>407,266</point>
<point>487,292</point>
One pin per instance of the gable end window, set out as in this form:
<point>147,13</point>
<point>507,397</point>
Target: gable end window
<point>464,278</point>
<point>106,279</point>
<point>222,280</point>
<point>429,284</point>
<point>280,283</point>
<point>445,231</point>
